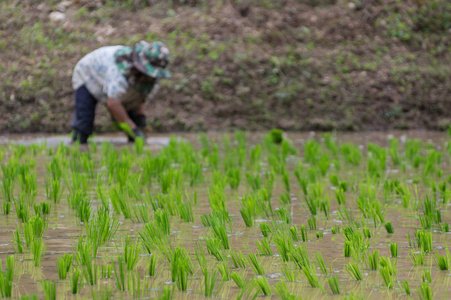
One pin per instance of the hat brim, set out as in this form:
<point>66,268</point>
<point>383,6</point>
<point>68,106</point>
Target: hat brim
<point>149,69</point>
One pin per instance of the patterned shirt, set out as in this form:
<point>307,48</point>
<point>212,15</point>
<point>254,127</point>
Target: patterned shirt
<point>100,74</point>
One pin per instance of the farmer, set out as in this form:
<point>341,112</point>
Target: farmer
<point>122,78</point>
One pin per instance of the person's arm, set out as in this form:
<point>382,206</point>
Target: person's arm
<point>119,113</point>
<point>140,109</point>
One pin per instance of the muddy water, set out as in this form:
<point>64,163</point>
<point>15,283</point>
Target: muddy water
<point>61,236</point>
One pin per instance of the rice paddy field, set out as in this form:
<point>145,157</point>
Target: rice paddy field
<point>231,216</point>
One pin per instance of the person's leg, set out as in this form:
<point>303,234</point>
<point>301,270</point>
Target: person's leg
<point>83,120</point>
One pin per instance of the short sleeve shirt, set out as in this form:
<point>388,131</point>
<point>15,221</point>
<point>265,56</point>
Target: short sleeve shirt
<point>99,73</point>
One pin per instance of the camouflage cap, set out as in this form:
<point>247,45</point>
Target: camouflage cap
<point>151,59</point>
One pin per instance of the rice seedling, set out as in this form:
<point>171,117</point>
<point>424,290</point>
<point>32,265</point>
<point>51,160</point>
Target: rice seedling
<point>6,208</point>
<point>443,262</point>
<point>284,199</point>
<point>373,260</point>
<point>348,249</point>
<point>101,229</point>
<point>238,259</point>
<point>425,291</point>
<point>283,293</point>
<point>209,283</point>
<point>247,215</point>
<point>335,229</point>
<point>224,270</point>
<point>264,247</point>
<point>17,242</point>
<point>263,285</point>
<point>321,263</point>
<point>393,249</point>
<point>238,279</point>
<point>219,231</point>
<point>319,234</point>
<point>426,277</point>
<point>265,229</point>
<point>64,263</point>
<point>131,253</point>
<point>284,215</point>
<point>334,285</point>
<point>49,288</point>
<point>84,258</point>
<point>312,223</point>
<point>354,271</point>
<point>38,250</point>
<point>299,256</point>
<point>286,181</point>
<point>75,281</point>
<point>54,190</point>
<point>417,258</point>
<point>7,277</point>
<point>310,274</point>
<point>284,245</point>
<point>424,240</point>
<point>120,275</point>
<point>256,264</point>
<point>406,287</point>
<point>388,272</point>
<point>105,271</point>
<point>119,201</point>
<point>389,227</point>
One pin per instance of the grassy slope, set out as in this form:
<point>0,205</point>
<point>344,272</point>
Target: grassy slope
<point>251,64</point>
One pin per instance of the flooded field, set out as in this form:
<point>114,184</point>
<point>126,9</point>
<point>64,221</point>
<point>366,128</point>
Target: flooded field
<point>230,216</point>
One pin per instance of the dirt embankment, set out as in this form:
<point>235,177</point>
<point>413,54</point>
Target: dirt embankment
<point>247,64</point>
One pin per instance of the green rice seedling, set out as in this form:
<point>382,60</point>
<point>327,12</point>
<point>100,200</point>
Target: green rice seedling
<point>238,259</point>
<point>38,250</point>
<point>426,277</point>
<point>119,201</point>
<point>209,283</point>
<point>233,176</point>
<point>335,229</point>
<point>161,218</point>
<point>303,182</point>
<point>294,232</point>
<point>393,249</point>
<point>21,208</point>
<point>131,253</point>
<point>283,293</point>
<point>340,196</point>
<point>219,231</point>
<point>217,199</point>
<point>214,247</point>
<point>290,274</point>
<point>334,285</point>
<point>325,207</point>
<point>389,227</point>
<point>200,256</point>
<point>303,232</point>
<point>354,271</point>
<point>321,263</point>
<point>264,247</point>
<point>310,274</point>
<point>312,223</point>
<point>284,199</point>
<point>29,297</point>
<point>388,271</point>
<point>167,294</point>
<point>7,277</point>
<point>101,229</point>
<point>366,232</point>
<point>286,181</point>
<point>265,229</point>
<point>424,240</point>
<point>238,279</point>
<point>182,277</point>
<point>105,271</point>
<point>373,260</point>
<point>64,263</point>
<point>139,145</point>
<point>254,181</point>
<point>141,213</point>
<point>284,245</point>
<point>49,288</point>
<point>224,270</point>
<point>186,212</point>
<point>319,234</point>
<point>84,258</point>
<point>263,285</point>
<point>348,249</point>
<point>425,291</point>
<point>247,215</point>
<point>256,264</point>
<point>284,215</point>
<point>54,190</point>
<point>443,262</point>
<point>312,204</point>
<point>120,275</point>
<point>151,270</point>
<point>17,242</point>
<point>299,256</point>
<point>417,258</point>
<point>6,208</point>
<point>84,210</point>
<point>406,287</point>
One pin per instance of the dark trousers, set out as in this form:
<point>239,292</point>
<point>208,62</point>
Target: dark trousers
<point>85,110</point>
